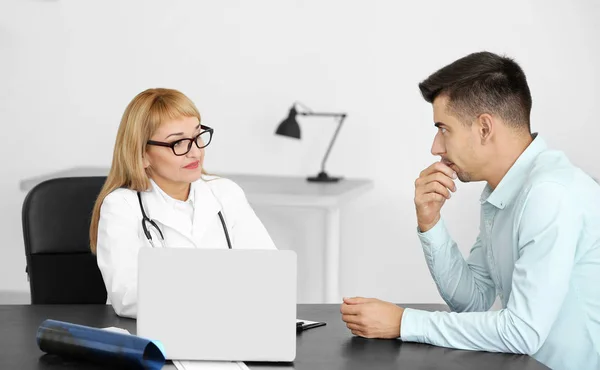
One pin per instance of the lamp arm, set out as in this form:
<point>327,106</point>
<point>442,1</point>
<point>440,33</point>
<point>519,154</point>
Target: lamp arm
<point>319,114</point>
<point>337,130</point>
<point>342,117</point>
<point>302,106</point>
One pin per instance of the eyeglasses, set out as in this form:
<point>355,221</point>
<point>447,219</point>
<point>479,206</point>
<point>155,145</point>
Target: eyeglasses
<point>183,146</point>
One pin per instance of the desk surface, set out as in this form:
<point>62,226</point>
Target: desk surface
<point>259,189</point>
<point>330,347</point>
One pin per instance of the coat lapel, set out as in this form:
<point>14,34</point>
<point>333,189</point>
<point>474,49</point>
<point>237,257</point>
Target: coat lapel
<point>206,208</point>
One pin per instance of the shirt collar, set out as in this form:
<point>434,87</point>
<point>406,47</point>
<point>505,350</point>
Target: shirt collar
<point>172,201</point>
<point>512,182</point>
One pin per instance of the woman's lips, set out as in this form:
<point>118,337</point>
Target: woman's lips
<point>193,165</point>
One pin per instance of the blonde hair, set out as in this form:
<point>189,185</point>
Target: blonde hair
<point>141,119</point>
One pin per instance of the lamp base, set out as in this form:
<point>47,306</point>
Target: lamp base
<point>323,177</point>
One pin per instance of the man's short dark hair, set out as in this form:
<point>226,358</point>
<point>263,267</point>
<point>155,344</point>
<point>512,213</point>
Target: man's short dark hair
<point>482,83</point>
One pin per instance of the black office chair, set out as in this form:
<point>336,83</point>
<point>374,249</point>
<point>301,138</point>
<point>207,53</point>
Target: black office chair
<point>56,222</point>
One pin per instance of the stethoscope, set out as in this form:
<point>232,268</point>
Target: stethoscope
<point>147,222</point>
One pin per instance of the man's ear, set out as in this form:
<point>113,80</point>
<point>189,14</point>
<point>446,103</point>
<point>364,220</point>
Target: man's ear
<point>485,127</point>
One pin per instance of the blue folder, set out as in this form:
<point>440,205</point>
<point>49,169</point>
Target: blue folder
<point>101,346</point>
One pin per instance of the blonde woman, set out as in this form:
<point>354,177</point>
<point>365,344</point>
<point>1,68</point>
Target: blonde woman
<point>158,195</point>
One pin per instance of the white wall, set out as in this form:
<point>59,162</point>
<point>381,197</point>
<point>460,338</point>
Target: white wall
<point>68,68</point>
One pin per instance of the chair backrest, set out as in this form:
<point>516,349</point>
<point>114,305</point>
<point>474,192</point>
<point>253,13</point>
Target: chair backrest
<point>56,221</point>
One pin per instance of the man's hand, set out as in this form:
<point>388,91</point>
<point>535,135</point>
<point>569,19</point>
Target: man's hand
<point>432,188</point>
<point>372,318</point>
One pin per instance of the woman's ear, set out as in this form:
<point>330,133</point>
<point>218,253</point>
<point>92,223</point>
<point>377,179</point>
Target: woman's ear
<point>145,161</point>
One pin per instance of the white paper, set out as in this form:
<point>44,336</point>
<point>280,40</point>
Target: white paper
<point>219,365</point>
<point>210,365</point>
<point>306,322</point>
<point>117,330</point>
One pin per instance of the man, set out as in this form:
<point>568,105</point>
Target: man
<point>538,248</point>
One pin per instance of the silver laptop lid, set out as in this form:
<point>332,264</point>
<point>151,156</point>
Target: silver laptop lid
<point>212,304</point>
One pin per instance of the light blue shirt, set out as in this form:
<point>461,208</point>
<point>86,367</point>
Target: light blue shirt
<point>538,250</point>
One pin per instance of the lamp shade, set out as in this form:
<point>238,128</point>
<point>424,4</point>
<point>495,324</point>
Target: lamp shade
<point>289,127</point>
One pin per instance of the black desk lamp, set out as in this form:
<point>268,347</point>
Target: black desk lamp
<point>290,127</point>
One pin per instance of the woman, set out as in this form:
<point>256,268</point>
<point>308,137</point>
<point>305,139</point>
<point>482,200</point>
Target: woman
<point>158,195</point>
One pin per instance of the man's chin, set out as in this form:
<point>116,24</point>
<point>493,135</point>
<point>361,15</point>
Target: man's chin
<point>463,177</point>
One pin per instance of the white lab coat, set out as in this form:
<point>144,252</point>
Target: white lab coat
<point>120,233</point>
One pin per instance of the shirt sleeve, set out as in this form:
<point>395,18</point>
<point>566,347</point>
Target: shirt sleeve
<point>465,285</point>
<point>117,250</point>
<point>549,228</point>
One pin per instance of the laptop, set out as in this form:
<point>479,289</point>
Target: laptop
<point>219,305</point>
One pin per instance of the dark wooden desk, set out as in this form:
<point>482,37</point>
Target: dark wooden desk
<point>331,347</point>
